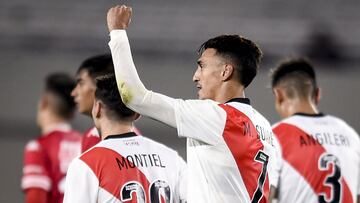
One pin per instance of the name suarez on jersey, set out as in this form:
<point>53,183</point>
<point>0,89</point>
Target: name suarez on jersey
<point>139,160</point>
<point>324,138</point>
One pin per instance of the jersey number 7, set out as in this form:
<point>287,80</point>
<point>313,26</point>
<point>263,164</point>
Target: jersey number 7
<point>263,159</point>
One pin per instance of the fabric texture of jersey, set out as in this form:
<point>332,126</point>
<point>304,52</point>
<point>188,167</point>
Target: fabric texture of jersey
<point>318,160</point>
<point>46,160</point>
<point>127,168</point>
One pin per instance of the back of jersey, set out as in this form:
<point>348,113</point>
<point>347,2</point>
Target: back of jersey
<point>319,160</point>
<point>127,168</point>
<point>46,162</point>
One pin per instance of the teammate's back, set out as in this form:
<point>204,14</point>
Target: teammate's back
<point>47,157</point>
<point>138,164</point>
<point>322,155</point>
<point>318,155</point>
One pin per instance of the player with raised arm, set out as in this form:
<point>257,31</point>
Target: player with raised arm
<point>319,155</point>
<point>47,157</point>
<point>84,91</point>
<point>123,167</point>
<point>229,145</point>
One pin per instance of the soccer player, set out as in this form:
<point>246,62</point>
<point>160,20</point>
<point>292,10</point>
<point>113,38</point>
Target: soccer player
<point>229,150</point>
<point>47,157</point>
<point>319,155</point>
<point>84,91</point>
<point>123,166</point>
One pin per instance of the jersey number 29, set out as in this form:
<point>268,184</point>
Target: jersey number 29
<point>154,190</point>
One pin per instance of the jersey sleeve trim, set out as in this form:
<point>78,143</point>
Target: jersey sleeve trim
<point>36,181</point>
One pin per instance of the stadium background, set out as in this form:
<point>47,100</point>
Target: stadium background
<point>40,37</point>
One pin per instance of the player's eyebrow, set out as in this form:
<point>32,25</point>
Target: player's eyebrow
<point>78,80</point>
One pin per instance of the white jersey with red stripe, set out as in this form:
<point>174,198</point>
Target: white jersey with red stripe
<point>229,151</point>
<point>319,160</point>
<point>127,168</point>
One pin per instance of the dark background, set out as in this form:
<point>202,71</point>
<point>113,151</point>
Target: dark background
<point>40,37</point>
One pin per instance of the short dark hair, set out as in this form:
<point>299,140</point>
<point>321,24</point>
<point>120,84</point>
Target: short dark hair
<point>61,85</point>
<point>244,54</point>
<point>97,65</point>
<point>107,92</point>
<point>298,77</point>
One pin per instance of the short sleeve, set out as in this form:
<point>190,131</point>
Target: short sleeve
<point>81,183</point>
<point>203,120</point>
<point>35,169</point>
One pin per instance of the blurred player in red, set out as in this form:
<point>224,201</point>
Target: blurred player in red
<point>319,155</point>
<point>46,158</point>
<point>123,167</point>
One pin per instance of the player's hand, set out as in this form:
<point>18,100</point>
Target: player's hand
<point>119,17</point>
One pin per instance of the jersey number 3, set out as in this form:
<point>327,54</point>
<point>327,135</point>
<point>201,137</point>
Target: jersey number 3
<point>154,190</point>
<point>332,180</point>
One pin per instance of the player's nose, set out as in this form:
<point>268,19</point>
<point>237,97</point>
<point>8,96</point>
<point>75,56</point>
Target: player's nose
<point>196,76</point>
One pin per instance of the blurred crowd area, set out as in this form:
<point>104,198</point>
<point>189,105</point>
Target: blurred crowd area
<point>40,37</point>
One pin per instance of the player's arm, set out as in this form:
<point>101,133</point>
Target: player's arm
<point>35,195</point>
<point>132,91</point>
<point>81,183</point>
<point>35,181</point>
<point>275,170</point>
<point>273,194</point>
<point>201,120</point>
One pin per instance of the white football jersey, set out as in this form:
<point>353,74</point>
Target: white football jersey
<point>229,151</point>
<point>127,168</point>
<point>319,160</point>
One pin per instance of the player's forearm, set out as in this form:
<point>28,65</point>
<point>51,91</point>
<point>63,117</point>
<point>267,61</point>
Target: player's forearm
<point>132,91</point>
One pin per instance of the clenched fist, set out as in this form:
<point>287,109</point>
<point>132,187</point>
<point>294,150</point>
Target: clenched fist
<point>119,17</point>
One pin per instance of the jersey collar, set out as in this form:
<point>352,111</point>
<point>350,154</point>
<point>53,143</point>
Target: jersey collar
<point>124,135</point>
<point>65,127</point>
<point>309,115</point>
<point>240,100</point>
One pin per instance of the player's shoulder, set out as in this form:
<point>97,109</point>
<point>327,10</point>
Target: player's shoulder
<point>33,145</point>
<point>159,146</point>
<point>344,126</point>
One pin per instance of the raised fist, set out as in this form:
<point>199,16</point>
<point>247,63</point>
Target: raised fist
<point>119,17</point>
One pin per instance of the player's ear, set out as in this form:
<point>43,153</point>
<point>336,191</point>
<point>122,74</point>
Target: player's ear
<point>317,95</point>
<point>136,116</point>
<point>97,108</point>
<point>43,102</point>
<point>279,95</point>
<point>227,72</point>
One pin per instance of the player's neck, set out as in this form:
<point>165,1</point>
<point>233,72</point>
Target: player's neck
<point>114,128</point>
<point>230,90</point>
<point>49,119</point>
<point>300,106</point>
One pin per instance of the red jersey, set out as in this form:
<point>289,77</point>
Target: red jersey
<point>92,137</point>
<point>46,160</point>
